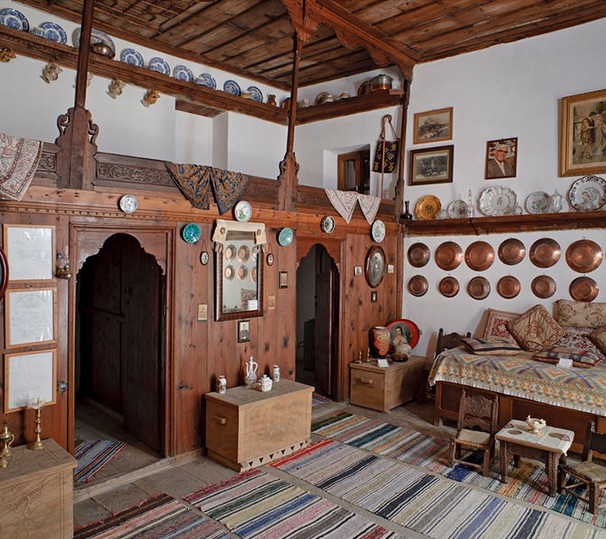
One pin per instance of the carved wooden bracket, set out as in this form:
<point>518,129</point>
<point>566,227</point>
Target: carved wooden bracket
<point>307,15</point>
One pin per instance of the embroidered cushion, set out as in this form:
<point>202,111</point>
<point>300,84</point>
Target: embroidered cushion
<point>496,325</point>
<point>579,338</point>
<point>598,336</point>
<point>580,358</point>
<point>493,347</point>
<point>536,329</point>
<point>580,313</point>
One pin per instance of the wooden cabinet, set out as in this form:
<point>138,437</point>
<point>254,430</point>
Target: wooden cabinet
<point>384,388</point>
<point>36,493</point>
<point>246,428</point>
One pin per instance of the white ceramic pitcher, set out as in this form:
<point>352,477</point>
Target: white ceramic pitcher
<point>251,372</point>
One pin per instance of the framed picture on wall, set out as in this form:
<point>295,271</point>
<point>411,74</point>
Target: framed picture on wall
<point>431,165</point>
<point>244,331</point>
<point>30,251</point>
<point>30,317</point>
<point>583,134</point>
<point>501,158</point>
<point>29,376</point>
<point>433,126</point>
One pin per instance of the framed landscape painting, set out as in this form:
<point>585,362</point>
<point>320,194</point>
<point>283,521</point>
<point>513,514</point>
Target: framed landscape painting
<point>583,134</point>
<point>431,165</point>
<point>433,126</point>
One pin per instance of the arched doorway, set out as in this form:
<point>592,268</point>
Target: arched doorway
<point>318,321</point>
<point>120,328</point>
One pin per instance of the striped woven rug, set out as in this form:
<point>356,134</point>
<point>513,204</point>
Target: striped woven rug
<point>527,482</point>
<point>93,456</point>
<point>255,504</point>
<point>160,517</point>
<point>429,504</point>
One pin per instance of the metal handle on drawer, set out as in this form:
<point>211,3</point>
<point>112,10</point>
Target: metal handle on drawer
<point>220,420</point>
<point>367,381</point>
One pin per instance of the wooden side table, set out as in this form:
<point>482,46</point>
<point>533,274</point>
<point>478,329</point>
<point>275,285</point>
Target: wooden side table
<point>246,428</point>
<point>384,388</point>
<point>549,446</point>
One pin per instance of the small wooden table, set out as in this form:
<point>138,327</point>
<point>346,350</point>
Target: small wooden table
<point>549,446</point>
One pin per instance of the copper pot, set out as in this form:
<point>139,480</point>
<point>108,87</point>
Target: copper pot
<point>381,82</point>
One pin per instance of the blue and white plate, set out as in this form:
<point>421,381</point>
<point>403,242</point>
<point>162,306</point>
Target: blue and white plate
<point>232,87</point>
<point>183,73</point>
<point>132,57</point>
<point>160,65</point>
<point>207,80</point>
<point>257,95</point>
<point>96,36</point>
<point>53,32</point>
<point>14,19</point>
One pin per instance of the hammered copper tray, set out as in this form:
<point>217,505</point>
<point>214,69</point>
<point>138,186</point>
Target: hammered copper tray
<point>545,252</point>
<point>512,251</point>
<point>478,287</point>
<point>584,256</point>
<point>418,255</point>
<point>543,286</point>
<point>508,287</point>
<point>449,287</point>
<point>449,255</point>
<point>583,289</point>
<point>479,255</point>
<point>418,285</point>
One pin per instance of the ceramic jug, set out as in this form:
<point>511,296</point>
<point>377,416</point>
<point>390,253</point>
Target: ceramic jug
<point>251,372</point>
<point>379,341</point>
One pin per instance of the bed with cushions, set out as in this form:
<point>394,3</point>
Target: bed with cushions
<point>551,367</point>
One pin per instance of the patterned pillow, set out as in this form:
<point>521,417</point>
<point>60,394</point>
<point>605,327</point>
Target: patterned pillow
<point>598,337</point>
<point>579,338</point>
<point>580,313</point>
<point>580,358</point>
<point>492,347</point>
<point>536,329</point>
<point>496,325</point>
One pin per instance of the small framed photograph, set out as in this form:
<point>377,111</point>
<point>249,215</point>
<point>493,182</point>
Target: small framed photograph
<point>29,376</point>
<point>270,259</point>
<point>583,134</point>
<point>30,317</point>
<point>30,251</point>
<point>433,126</point>
<point>244,331</point>
<point>204,258</point>
<point>283,283</point>
<point>501,158</point>
<point>431,165</point>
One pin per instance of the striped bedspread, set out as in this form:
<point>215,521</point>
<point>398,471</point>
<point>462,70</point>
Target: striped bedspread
<point>522,376</point>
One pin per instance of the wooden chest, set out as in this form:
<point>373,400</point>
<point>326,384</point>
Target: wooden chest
<point>384,388</point>
<point>36,493</point>
<point>246,428</point>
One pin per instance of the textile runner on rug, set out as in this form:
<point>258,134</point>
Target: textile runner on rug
<point>256,504</point>
<point>159,517</point>
<point>93,456</point>
<point>528,482</point>
<point>428,504</point>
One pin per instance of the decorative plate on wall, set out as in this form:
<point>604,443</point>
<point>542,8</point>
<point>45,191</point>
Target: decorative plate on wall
<point>479,255</point>
<point>584,289</point>
<point>191,232</point>
<point>588,193</point>
<point>545,252</point>
<point>418,255</point>
<point>449,255</point>
<point>375,266</point>
<point>409,329</point>
<point>584,256</point>
<point>497,201</point>
<point>508,287</point>
<point>418,285</point>
<point>328,224</point>
<point>457,209</point>
<point>543,286</point>
<point>449,287</point>
<point>511,251</point>
<point>478,287</point>
<point>427,207</point>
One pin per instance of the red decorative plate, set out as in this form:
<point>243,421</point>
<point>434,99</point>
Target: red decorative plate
<point>408,328</point>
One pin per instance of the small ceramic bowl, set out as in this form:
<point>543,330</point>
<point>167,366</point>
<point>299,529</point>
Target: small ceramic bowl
<point>535,425</point>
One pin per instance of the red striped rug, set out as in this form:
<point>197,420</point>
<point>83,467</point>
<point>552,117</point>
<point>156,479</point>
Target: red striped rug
<point>93,456</point>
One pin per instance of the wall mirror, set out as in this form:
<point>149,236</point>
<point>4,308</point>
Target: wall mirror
<point>238,269</point>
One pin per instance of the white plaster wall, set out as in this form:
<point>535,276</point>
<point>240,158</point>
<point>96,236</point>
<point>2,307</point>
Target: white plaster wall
<point>510,90</point>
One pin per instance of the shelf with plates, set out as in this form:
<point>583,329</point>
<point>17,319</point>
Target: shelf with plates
<point>190,97</point>
<point>506,223</point>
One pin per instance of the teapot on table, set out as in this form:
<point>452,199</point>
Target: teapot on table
<point>251,372</point>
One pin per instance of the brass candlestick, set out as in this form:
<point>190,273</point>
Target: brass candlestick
<point>6,439</point>
<point>37,443</point>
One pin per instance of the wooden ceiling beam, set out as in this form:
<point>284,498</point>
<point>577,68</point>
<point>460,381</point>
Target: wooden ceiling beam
<point>307,15</point>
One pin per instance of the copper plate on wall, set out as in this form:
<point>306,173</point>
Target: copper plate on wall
<point>449,255</point>
<point>584,256</point>
<point>508,287</point>
<point>543,286</point>
<point>545,252</point>
<point>449,287</point>
<point>478,287</point>
<point>583,289</point>
<point>511,251</point>
<point>418,285</point>
<point>418,255</point>
<point>479,255</point>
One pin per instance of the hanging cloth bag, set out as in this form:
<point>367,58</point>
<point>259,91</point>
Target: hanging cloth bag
<point>386,154</point>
